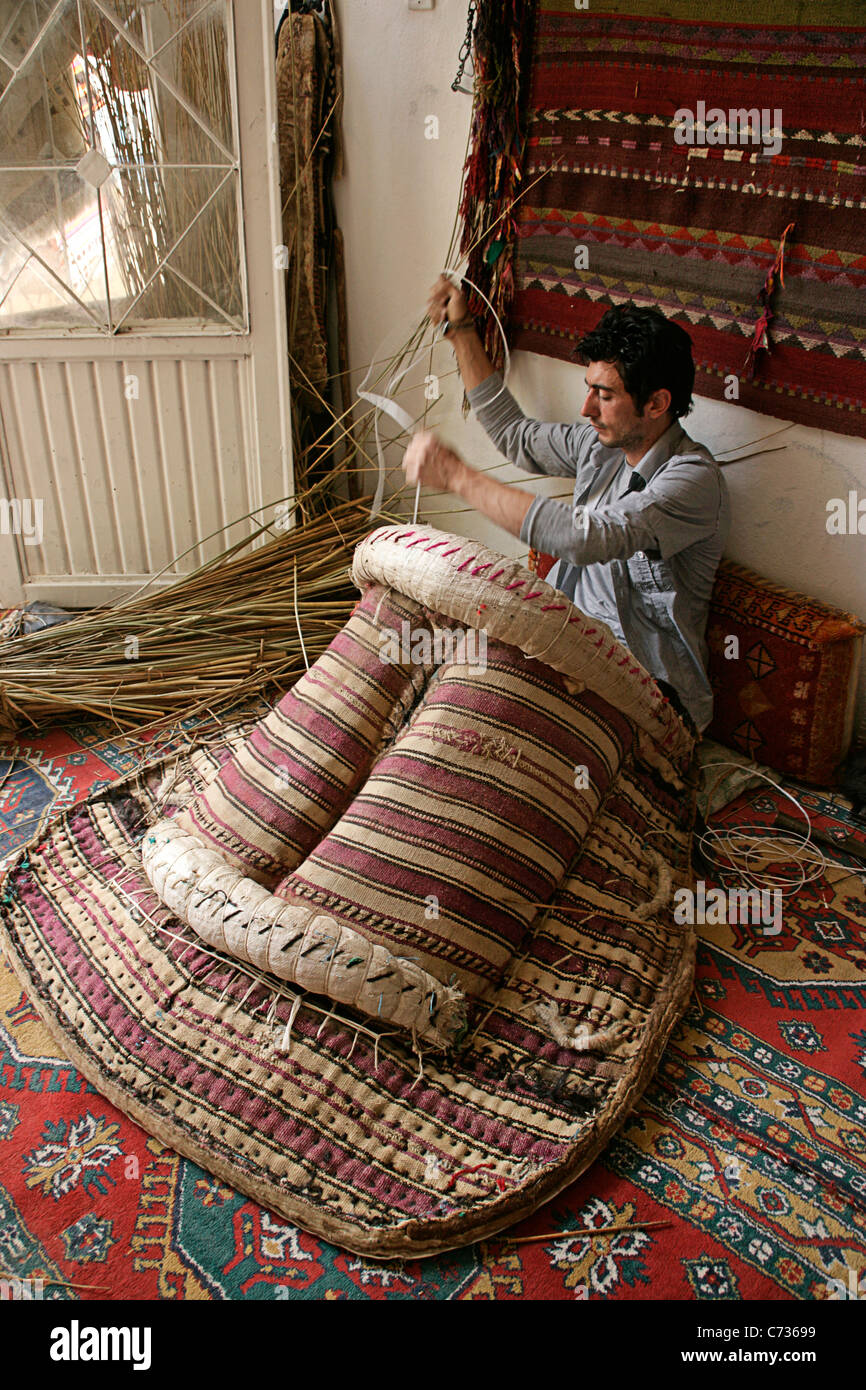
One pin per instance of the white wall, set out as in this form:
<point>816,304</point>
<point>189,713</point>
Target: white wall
<point>396,205</point>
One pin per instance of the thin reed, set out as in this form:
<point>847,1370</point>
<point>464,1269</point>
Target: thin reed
<point>244,624</point>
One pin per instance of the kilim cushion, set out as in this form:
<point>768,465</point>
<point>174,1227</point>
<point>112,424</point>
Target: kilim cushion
<point>297,772</point>
<point>784,673</point>
<point>393,828</point>
<point>470,820</point>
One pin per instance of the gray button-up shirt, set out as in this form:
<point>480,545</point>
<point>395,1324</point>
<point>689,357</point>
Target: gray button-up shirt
<point>643,563</point>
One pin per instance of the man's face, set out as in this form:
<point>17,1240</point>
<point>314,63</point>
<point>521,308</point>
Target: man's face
<point>610,408</point>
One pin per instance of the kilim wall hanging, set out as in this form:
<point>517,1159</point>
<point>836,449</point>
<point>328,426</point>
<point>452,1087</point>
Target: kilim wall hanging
<point>693,160</point>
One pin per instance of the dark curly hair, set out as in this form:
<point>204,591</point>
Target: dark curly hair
<point>648,351</point>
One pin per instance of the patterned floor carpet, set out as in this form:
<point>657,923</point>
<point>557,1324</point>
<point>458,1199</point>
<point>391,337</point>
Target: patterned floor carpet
<point>750,1142</point>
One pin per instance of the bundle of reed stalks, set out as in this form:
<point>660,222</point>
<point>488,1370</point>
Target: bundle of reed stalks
<point>246,623</point>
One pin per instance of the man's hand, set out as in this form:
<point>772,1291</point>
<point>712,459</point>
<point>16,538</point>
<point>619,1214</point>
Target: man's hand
<point>446,301</point>
<point>449,302</point>
<point>431,463</point>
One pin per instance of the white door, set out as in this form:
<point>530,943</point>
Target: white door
<point>143,363</point>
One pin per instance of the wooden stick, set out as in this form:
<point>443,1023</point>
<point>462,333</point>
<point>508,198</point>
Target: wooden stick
<point>61,1283</point>
<point>569,1235</point>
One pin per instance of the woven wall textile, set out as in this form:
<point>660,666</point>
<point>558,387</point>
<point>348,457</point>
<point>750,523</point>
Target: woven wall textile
<point>757,249</point>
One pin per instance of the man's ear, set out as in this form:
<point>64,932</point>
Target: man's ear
<point>658,403</point>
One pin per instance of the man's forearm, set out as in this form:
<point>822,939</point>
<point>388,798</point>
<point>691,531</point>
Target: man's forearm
<point>506,506</point>
<point>474,364</point>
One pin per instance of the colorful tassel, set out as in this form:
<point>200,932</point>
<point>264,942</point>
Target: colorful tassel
<point>761,337</point>
<point>503,50</point>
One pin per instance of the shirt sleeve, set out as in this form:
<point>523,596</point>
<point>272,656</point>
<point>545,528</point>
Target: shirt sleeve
<point>680,506</point>
<point>553,449</point>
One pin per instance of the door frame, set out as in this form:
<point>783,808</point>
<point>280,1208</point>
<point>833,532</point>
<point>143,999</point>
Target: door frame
<point>263,348</point>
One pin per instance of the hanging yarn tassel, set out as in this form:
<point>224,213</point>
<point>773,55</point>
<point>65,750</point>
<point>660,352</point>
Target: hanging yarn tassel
<point>761,338</point>
<point>503,50</point>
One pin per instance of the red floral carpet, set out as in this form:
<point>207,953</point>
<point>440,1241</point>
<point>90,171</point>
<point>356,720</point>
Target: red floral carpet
<point>750,1142</point>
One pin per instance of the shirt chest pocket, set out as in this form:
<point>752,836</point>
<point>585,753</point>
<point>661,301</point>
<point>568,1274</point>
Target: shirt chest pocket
<point>650,574</point>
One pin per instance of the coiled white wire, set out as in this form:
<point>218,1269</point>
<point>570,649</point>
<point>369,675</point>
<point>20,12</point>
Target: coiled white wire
<point>745,849</point>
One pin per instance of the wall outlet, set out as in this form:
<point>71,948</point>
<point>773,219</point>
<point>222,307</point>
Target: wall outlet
<point>421,4</point>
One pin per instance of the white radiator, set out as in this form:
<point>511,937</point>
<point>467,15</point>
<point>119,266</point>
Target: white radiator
<point>124,464</point>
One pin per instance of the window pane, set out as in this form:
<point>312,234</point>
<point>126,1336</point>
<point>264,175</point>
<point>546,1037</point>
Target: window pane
<point>40,116</point>
<point>53,218</point>
<point>20,22</point>
<point>118,172</point>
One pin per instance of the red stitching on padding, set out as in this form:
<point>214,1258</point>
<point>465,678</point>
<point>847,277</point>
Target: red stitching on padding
<point>476,1168</point>
<point>545,608</point>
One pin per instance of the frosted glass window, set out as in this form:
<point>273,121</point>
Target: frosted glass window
<point>119,179</point>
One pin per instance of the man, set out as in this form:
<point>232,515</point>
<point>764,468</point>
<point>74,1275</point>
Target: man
<point>640,544</point>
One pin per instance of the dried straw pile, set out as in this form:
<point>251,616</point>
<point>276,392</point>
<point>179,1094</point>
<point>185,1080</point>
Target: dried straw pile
<point>242,624</point>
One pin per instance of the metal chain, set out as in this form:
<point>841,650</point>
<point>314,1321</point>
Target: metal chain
<point>466,49</point>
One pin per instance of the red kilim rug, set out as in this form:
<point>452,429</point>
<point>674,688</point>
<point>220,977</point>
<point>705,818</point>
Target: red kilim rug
<point>750,1142</point>
<point>639,179</point>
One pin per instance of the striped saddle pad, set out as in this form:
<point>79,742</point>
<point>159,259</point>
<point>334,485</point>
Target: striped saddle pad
<point>446,857</point>
<point>424,789</point>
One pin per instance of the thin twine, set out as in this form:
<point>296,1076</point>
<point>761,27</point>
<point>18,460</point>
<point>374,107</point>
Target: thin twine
<point>297,615</point>
<point>285,1043</point>
<point>536,656</point>
<point>744,847</point>
<point>382,597</point>
<point>55,1283</point>
<point>584,1232</point>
